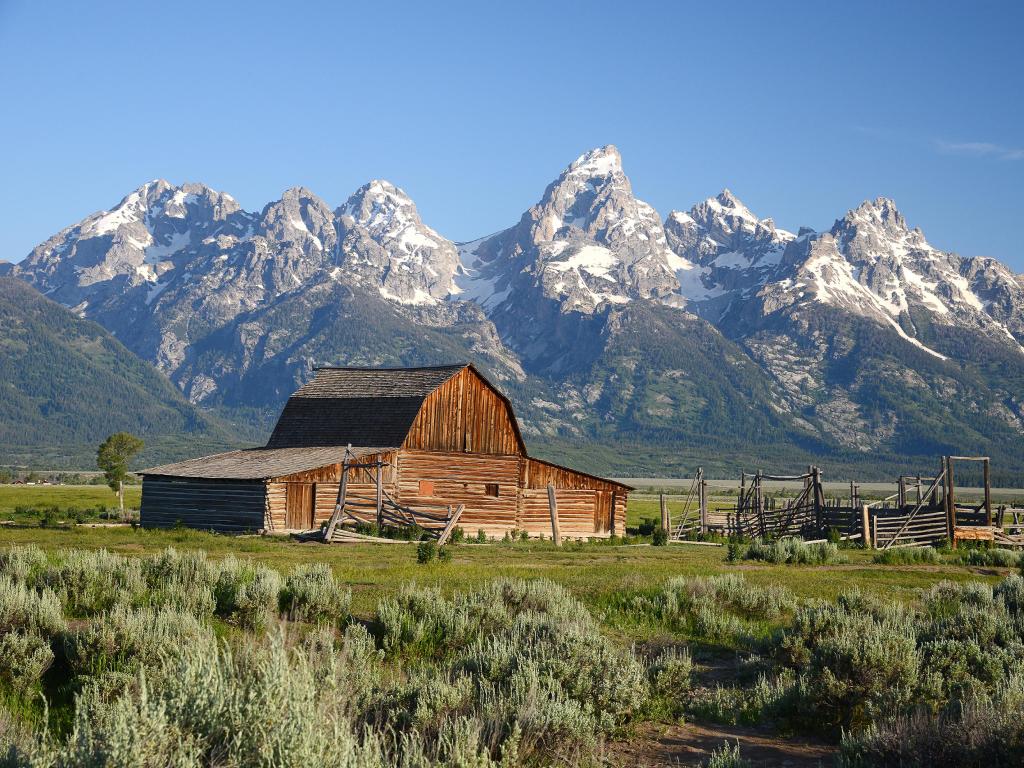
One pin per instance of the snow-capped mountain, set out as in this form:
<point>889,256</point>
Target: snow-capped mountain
<point>588,242</point>
<point>734,250</point>
<point>602,320</point>
<point>180,273</point>
<point>871,264</point>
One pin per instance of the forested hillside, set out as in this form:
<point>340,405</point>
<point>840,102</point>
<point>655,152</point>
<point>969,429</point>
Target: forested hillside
<point>65,384</point>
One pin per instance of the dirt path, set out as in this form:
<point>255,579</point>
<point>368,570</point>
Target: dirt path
<point>691,744</point>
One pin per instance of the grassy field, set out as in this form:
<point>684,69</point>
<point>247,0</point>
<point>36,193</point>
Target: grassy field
<point>728,676</point>
<point>64,496</point>
<point>591,571</point>
<point>595,573</point>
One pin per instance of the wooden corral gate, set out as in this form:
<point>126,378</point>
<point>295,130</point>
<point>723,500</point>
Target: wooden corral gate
<point>925,511</point>
<point>353,509</point>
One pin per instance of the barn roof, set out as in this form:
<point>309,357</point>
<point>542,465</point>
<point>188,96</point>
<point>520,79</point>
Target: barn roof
<point>258,463</point>
<point>374,406</point>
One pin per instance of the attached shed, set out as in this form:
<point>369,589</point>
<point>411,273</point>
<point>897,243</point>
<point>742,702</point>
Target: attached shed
<point>444,435</point>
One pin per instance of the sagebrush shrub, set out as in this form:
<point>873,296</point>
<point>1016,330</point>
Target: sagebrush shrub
<point>854,666</point>
<point>670,673</point>
<point>999,558</point>
<point>980,731</point>
<point>767,699</point>
<point>906,556</point>
<point>91,582</point>
<point>731,592</point>
<point>313,594</point>
<point>535,654</point>
<point>24,657</point>
<point>22,563</point>
<point>27,609</point>
<point>793,551</point>
<point>125,638</point>
<point>184,581</point>
<point>246,592</point>
<point>727,756</point>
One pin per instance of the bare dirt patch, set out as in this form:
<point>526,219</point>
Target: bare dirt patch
<point>691,744</point>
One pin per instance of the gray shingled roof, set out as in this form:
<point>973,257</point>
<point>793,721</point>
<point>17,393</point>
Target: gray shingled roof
<point>257,463</point>
<point>363,406</point>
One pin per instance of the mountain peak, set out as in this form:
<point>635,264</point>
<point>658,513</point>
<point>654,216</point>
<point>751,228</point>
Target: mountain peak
<point>379,201</point>
<point>727,198</point>
<point>602,161</point>
<point>881,210</point>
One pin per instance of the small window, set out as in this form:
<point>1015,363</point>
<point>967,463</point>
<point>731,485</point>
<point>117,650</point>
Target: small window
<point>491,489</point>
<point>426,487</point>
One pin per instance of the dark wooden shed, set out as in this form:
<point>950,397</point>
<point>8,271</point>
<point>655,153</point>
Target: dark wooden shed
<point>444,435</point>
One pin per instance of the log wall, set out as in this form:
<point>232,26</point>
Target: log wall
<point>361,482</point>
<point>462,478</point>
<point>231,506</point>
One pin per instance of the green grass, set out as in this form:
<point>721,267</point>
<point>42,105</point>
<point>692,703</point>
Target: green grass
<point>12,496</point>
<point>594,573</point>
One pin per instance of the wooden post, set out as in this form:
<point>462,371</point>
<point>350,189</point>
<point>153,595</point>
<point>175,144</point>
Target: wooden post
<point>380,494</point>
<point>556,536</point>
<point>874,530</point>
<point>664,511</point>
<point>703,500</point>
<point>988,493</point>
<point>919,490</point>
<point>950,501</point>
<point>865,524</point>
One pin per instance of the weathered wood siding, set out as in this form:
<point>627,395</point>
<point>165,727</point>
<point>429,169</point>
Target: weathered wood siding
<point>587,505</point>
<point>462,478</point>
<point>466,415</point>
<point>233,506</point>
<point>361,483</point>
<point>537,474</point>
<point>619,512</point>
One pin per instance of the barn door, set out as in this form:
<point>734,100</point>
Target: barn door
<point>604,504</point>
<point>299,506</point>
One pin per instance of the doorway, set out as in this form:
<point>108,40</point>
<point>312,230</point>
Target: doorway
<point>300,506</point>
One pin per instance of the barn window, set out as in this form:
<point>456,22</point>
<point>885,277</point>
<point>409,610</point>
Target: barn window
<point>426,487</point>
<point>491,489</point>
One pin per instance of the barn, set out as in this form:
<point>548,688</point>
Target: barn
<point>439,437</point>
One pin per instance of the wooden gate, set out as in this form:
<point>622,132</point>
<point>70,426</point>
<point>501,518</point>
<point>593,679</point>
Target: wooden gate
<point>299,506</point>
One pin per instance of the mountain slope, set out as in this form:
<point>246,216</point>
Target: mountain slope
<point>66,384</point>
<point>631,342</point>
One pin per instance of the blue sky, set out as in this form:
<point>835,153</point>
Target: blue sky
<point>803,110</point>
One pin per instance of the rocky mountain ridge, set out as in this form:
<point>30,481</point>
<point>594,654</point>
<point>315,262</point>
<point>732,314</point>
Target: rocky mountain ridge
<point>582,308</point>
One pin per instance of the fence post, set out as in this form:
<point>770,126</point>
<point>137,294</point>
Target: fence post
<point>988,493</point>
<point>556,536</point>
<point>664,512</point>
<point>703,501</point>
<point>866,527</point>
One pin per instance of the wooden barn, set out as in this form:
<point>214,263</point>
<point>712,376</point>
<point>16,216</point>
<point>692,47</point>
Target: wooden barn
<point>424,438</point>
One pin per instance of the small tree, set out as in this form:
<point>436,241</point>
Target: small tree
<point>113,456</point>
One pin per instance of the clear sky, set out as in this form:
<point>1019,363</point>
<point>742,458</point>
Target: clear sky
<point>802,109</point>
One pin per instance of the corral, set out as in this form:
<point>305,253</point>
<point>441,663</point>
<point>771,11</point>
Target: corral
<point>402,446</point>
<point>923,511</point>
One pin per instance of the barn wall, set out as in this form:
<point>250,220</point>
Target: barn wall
<point>461,478</point>
<point>466,415</point>
<point>361,482</point>
<point>537,474</point>
<point>587,505</point>
<point>233,506</point>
